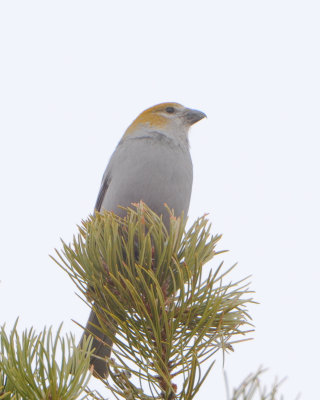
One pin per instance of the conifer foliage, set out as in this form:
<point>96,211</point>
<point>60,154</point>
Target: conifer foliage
<point>149,283</point>
<point>155,296</point>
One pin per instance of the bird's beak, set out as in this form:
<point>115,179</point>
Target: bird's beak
<point>193,116</point>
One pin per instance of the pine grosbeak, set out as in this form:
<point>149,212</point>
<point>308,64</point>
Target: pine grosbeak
<point>151,163</point>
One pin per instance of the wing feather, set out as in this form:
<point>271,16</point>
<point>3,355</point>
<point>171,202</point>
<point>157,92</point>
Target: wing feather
<point>103,190</point>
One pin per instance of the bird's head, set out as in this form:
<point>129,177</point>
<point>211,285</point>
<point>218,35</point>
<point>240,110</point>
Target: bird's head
<point>171,119</point>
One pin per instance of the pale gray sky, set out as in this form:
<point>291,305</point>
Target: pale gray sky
<point>74,74</point>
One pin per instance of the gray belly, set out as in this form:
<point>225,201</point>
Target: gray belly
<point>157,175</point>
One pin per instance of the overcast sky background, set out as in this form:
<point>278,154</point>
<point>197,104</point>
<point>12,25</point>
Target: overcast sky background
<point>73,76</point>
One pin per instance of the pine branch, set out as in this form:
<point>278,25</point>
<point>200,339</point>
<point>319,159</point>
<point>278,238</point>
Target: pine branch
<point>148,282</point>
<point>42,366</point>
<point>252,388</point>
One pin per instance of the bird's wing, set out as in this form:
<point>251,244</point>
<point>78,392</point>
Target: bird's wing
<point>107,177</point>
<point>103,190</point>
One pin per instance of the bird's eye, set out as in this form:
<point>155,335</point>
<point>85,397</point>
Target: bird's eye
<point>170,110</point>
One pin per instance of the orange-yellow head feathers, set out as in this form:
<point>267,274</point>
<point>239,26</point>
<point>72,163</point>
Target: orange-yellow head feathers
<point>167,118</point>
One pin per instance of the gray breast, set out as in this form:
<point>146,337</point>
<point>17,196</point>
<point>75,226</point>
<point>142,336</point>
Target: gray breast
<point>152,170</point>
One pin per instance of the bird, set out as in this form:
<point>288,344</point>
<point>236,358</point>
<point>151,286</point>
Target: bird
<point>151,163</point>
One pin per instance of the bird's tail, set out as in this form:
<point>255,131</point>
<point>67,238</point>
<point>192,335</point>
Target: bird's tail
<point>102,345</point>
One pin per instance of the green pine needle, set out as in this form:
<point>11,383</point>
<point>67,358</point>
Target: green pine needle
<point>30,369</point>
<point>149,283</point>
